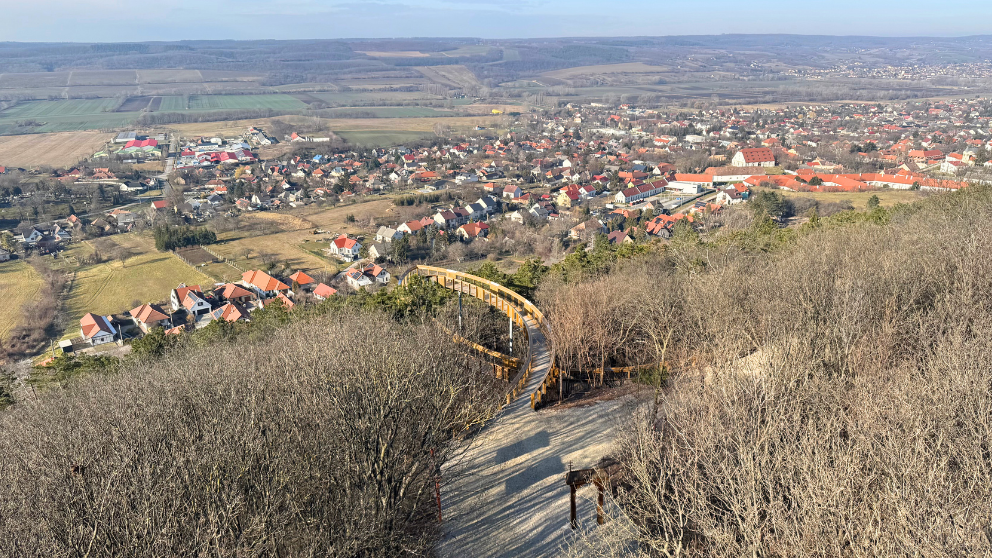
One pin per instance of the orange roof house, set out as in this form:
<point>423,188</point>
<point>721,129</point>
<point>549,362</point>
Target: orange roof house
<point>301,279</point>
<point>263,283</point>
<point>149,316</point>
<point>96,329</point>
<point>232,292</point>
<point>230,312</point>
<point>322,292</point>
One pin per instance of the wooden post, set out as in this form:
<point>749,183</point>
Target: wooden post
<point>600,516</point>
<point>573,519</point>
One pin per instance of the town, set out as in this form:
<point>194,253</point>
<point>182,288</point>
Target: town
<point>582,280</point>
<point>555,182</point>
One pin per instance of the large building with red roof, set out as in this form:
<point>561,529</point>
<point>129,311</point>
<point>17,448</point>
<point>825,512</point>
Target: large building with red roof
<point>754,157</point>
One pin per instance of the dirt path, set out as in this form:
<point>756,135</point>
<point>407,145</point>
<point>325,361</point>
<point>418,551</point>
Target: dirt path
<point>504,494</point>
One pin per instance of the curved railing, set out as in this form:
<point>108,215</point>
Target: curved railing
<point>518,308</point>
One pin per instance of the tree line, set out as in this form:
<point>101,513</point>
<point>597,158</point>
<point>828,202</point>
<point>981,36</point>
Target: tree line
<point>170,237</point>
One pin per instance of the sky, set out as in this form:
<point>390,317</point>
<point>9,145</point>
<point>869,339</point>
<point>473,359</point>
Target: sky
<point>127,20</point>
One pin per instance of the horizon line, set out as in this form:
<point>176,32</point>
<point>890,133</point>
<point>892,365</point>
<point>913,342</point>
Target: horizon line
<point>484,39</point>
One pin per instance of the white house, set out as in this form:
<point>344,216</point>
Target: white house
<point>685,187</point>
<point>729,196</point>
<point>446,219</point>
<point>386,234</point>
<point>637,193</point>
<point>950,166</point>
<point>754,157</point>
<point>357,279</point>
<point>345,248</point>
<point>512,191</point>
<point>195,304</point>
<point>323,292</point>
<point>97,330</point>
<point>410,227</point>
<point>178,294</point>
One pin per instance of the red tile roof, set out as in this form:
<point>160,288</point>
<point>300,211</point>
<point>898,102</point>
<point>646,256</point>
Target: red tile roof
<point>231,290</point>
<point>147,313</point>
<point>263,281</point>
<point>91,324</point>
<point>182,291</point>
<point>324,291</point>
<point>343,242</point>
<point>758,155</point>
<point>301,278</point>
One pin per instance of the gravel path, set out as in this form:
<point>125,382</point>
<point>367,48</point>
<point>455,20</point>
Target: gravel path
<point>504,492</point>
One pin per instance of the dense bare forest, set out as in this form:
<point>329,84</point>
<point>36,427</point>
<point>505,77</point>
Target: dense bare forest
<point>829,395</point>
<point>826,392</point>
<point>321,441</point>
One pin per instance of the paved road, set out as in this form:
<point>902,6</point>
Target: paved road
<point>504,493</point>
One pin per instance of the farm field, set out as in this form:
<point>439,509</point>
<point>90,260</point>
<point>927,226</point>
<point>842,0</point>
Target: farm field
<point>345,97</point>
<point>19,282</point>
<point>61,149</point>
<point>388,112</point>
<point>169,76</point>
<point>206,103</point>
<point>394,54</point>
<point>46,109</point>
<point>276,101</point>
<point>111,287</point>
<point>625,68</point>
<point>63,116</point>
<point>886,196</point>
<point>454,76</point>
<point>88,78</point>
<point>385,127</point>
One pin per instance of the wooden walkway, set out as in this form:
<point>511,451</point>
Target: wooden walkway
<point>504,492</point>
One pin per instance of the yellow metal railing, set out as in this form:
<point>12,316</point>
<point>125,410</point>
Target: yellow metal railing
<point>505,300</point>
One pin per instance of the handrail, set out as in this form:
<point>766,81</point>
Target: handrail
<point>507,301</point>
<point>515,306</point>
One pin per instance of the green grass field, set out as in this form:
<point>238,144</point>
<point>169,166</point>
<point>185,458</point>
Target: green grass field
<point>172,103</point>
<point>63,116</point>
<point>239,102</point>
<point>19,282</point>
<point>72,107</point>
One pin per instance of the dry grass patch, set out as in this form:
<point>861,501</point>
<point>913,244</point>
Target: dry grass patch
<point>626,68</point>
<point>455,76</point>
<point>19,283</point>
<point>285,221</point>
<point>859,200</point>
<point>150,166</point>
<point>335,220</point>
<point>112,287</point>
<point>61,149</point>
<point>394,54</point>
<point>280,247</point>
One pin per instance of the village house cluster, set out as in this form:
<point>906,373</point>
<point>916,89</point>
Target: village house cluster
<point>624,172</point>
<point>190,307</point>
